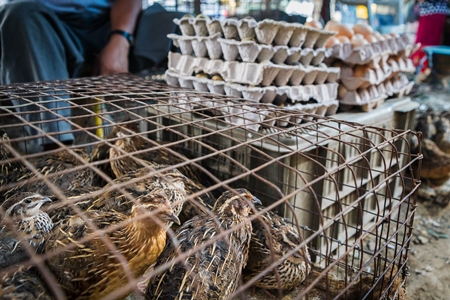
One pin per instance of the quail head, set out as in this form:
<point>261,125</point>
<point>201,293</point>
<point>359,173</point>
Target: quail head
<point>217,247</point>
<point>23,221</point>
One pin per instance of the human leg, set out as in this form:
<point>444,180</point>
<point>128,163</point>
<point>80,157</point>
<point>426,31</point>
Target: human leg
<point>35,46</point>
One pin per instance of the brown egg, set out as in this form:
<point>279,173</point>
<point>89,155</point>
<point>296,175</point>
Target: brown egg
<point>358,41</point>
<point>330,25</point>
<point>314,24</point>
<point>343,39</point>
<point>379,36</point>
<point>342,91</point>
<point>363,29</point>
<point>332,41</point>
<point>371,38</point>
<point>360,70</point>
<point>217,77</point>
<point>342,30</point>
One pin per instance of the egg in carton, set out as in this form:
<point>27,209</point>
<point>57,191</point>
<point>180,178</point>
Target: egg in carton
<point>366,98</point>
<point>361,76</point>
<point>264,74</point>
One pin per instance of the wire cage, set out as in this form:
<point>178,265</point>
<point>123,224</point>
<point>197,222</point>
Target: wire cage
<point>344,188</point>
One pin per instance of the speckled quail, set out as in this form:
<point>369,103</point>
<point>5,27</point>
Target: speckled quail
<point>23,221</point>
<point>23,284</point>
<point>132,151</point>
<point>212,271</point>
<point>91,269</point>
<point>273,237</point>
<point>62,168</point>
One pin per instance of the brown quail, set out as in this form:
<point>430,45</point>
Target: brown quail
<point>22,215</point>
<point>10,170</point>
<point>213,271</point>
<point>273,238</point>
<point>59,169</point>
<point>23,284</point>
<point>92,270</point>
<point>139,182</point>
<point>130,152</point>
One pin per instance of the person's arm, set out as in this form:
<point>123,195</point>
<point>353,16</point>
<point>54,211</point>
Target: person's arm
<point>114,57</point>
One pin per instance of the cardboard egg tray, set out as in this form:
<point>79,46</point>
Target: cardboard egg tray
<point>370,97</point>
<point>264,74</point>
<point>320,93</point>
<point>398,86</point>
<point>278,33</point>
<point>246,51</point>
<point>253,115</point>
<point>373,76</point>
<point>402,65</point>
<point>366,99</point>
<point>373,52</point>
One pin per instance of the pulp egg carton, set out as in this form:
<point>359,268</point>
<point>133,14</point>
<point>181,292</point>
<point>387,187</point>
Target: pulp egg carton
<point>371,53</point>
<point>251,51</point>
<point>372,76</point>
<point>264,32</point>
<point>327,108</point>
<point>200,46</point>
<point>319,93</point>
<point>247,51</point>
<point>402,64</point>
<point>398,86</point>
<point>198,26</point>
<point>365,98</point>
<point>283,116</point>
<point>264,74</point>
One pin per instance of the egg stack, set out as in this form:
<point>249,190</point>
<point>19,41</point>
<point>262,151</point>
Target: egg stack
<point>267,61</point>
<point>372,65</point>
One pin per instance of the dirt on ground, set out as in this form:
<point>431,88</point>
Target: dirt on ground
<point>430,248</point>
<point>430,253</point>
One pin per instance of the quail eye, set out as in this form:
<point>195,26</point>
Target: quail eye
<point>28,201</point>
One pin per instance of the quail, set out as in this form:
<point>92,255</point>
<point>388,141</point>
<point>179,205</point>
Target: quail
<point>273,238</point>
<point>23,284</point>
<point>23,215</point>
<point>139,182</point>
<point>91,269</point>
<point>121,164</point>
<point>213,271</point>
<point>10,170</point>
<point>59,169</point>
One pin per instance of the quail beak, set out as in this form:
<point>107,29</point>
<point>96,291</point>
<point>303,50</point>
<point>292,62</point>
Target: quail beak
<point>43,201</point>
<point>256,201</point>
<point>171,217</point>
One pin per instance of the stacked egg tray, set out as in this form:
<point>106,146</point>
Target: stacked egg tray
<point>376,85</point>
<point>386,62</point>
<point>266,61</point>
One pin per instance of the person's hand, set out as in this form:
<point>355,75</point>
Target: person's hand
<point>113,58</point>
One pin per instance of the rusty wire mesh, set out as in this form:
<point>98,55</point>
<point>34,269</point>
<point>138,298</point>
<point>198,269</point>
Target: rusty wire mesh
<point>341,185</point>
